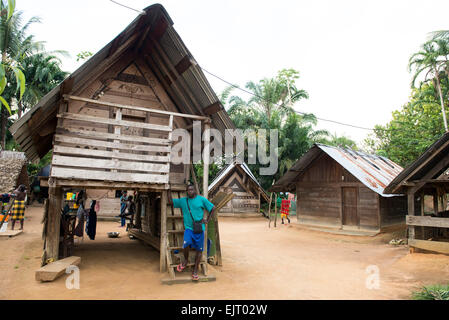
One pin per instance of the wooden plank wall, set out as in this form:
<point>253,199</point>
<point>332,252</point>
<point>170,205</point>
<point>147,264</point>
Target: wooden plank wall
<point>319,196</point>
<point>109,204</point>
<point>246,198</point>
<point>326,169</point>
<point>368,208</point>
<point>89,148</point>
<point>393,210</point>
<point>319,204</point>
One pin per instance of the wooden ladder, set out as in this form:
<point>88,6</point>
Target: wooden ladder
<point>175,240</point>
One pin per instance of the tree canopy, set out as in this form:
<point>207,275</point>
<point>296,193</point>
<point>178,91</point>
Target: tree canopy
<point>272,106</point>
<point>421,121</point>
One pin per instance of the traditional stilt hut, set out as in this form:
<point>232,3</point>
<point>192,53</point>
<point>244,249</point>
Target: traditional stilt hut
<point>110,127</point>
<point>248,193</point>
<point>427,178</point>
<point>344,189</point>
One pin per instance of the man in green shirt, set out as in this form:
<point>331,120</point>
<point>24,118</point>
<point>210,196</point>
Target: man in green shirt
<point>192,206</point>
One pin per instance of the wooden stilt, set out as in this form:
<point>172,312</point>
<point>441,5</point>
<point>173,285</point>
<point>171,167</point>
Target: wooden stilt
<point>163,261</point>
<point>269,210</point>
<point>411,212</point>
<point>53,223</point>
<point>422,214</point>
<point>275,210</point>
<point>206,160</point>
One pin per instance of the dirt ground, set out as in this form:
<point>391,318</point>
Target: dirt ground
<point>288,262</point>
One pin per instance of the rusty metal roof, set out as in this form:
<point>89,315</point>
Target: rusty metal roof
<point>169,59</point>
<point>374,171</point>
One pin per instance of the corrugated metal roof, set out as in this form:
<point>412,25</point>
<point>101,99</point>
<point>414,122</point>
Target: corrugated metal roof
<point>374,171</point>
<point>191,92</point>
<point>224,173</point>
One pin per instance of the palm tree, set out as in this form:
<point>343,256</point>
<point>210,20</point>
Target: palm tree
<point>14,45</point>
<point>440,34</point>
<point>278,93</point>
<point>427,60</point>
<point>42,72</point>
<point>25,64</point>
<point>339,141</point>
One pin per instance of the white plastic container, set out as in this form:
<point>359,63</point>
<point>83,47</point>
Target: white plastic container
<point>4,227</point>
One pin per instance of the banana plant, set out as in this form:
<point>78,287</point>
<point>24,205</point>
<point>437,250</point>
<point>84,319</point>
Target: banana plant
<point>8,64</point>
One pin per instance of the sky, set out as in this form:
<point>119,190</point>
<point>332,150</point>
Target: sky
<point>352,55</point>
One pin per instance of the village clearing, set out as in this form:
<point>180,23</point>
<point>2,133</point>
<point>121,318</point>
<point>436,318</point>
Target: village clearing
<point>288,262</point>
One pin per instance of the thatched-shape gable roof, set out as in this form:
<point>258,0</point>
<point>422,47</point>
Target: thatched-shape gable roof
<point>11,165</point>
<point>243,168</point>
<point>151,37</point>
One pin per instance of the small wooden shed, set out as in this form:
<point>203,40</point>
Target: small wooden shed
<point>427,179</point>
<point>13,171</point>
<point>344,189</point>
<point>110,125</point>
<point>238,179</point>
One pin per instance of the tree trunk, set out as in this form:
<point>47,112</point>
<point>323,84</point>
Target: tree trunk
<point>19,110</point>
<point>441,99</point>
<point>3,123</point>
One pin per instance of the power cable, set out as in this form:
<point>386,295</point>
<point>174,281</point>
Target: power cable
<point>139,11</point>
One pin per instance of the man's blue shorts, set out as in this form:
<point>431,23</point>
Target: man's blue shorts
<point>195,241</point>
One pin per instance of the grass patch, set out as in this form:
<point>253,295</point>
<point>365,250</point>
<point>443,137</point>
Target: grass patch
<point>436,292</point>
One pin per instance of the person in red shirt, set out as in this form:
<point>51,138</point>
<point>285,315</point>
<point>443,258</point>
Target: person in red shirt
<point>285,210</point>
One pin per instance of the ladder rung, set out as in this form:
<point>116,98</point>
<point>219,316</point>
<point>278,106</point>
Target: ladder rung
<point>191,264</point>
<point>175,217</point>
<point>175,231</point>
<point>175,248</point>
<point>178,248</point>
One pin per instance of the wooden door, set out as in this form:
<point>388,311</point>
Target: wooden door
<point>349,206</point>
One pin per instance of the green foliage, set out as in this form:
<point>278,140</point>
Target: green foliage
<point>9,63</point>
<point>271,107</point>
<point>27,72</point>
<point>83,55</point>
<point>412,129</point>
<point>33,169</point>
<point>436,292</point>
<point>214,168</point>
<point>419,123</point>
<point>340,141</point>
<point>43,72</point>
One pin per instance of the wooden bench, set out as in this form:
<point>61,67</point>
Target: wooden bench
<point>55,269</point>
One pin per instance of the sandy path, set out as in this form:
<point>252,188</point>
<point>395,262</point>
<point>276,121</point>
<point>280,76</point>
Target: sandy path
<point>258,263</point>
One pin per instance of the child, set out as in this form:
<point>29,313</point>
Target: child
<point>285,210</point>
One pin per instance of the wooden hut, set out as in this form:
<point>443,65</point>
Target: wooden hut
<point>13,171</point>
<point>427,179</point>
<point>344,189</point>
<point>110,127</point>
<point>238,179</point>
